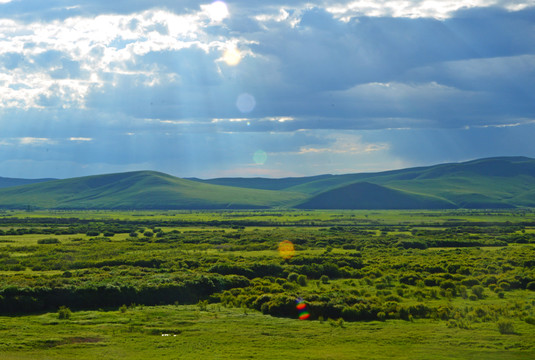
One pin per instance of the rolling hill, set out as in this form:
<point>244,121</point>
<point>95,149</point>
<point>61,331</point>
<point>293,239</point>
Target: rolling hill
<point>139,190</point>
<point>501,182</point>
<point>8,182</point>
<point>365,195</point>
<point>504,182</point>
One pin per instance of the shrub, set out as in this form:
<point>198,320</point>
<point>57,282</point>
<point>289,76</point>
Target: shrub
<point>324,279</point>
<point>447,284</point>
<point>48,241</point>
<point>469,282</point>
<point>506,327</point>
<point>478,290</point>
<point>293,277</point>
<point>302,280</point>
<point>409,279</point>
<point>64,313</point>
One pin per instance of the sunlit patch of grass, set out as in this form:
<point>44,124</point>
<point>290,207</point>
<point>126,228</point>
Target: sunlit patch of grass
<point>230,334</point>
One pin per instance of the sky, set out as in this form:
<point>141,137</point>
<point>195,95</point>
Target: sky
<point>262,88</point>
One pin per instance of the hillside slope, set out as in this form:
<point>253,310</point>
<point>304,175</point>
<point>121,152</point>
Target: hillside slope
<point>485,183</point>
<point>8,182</point>
<point>139,190</point>
<point>505,182</point>
<point>365,195</point>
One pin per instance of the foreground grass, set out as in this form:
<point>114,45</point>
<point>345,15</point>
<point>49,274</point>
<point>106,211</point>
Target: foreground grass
<point>222,333</point>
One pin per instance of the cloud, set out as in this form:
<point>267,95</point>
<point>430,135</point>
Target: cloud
<point>442,9</point>
<point>306,80</point>
<point>36,141</point>
<point>345,144</point>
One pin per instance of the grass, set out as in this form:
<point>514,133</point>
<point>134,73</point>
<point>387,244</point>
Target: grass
<point>238,333</point>
<point>139,190</point>
<point>222,333</point>
<point>486,183</point>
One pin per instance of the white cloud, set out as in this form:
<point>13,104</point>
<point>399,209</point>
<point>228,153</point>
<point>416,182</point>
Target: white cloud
<point>345,144</point>
<point>438,9</point>
<point>80,139</point>
<point>78,54</point>
<point>216,11</point>
<point>36,141</point>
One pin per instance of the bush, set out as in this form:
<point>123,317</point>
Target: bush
<point>478,290</point>
<point>506,327</point>
<point>469,282</point>
<point>48,241</point>
<point>324,279</point>
<point>302,280</point>
<point>293,277</point>
<point>64,313</point>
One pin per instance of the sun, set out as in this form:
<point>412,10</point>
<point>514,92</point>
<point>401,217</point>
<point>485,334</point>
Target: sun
<point>232,56</point>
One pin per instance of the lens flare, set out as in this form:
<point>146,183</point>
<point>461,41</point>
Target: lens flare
<point>260,157</point>
<point>302,309</point>
<point>286,249</point>
<point>232,56</point>
<point>245,103</point>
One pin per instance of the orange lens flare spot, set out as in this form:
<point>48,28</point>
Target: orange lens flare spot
<point>301,306</point>
<point>286,249</point>
<point>304,316</point>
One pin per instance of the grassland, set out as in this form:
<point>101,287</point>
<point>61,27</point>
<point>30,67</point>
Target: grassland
<point>212,285</point>
<point>487,183</point>
<point>228,333</point>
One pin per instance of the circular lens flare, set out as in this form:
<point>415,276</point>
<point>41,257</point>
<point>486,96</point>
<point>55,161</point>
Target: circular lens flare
<point>245,103</point>
<point>286,249</point>
<point>260,157</point>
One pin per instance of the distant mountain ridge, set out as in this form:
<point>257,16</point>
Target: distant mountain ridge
<point>500,182</point>
<point>8,182</point>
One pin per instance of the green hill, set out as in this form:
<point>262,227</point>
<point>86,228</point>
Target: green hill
<point>365,195</point>
<point>262,183</point>
<point>485,183</point>
<point>504,182</point>
<point>8,182</point>
<point>139,190</point>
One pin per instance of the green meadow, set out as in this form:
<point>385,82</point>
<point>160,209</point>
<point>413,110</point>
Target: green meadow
<point>453,284</point>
